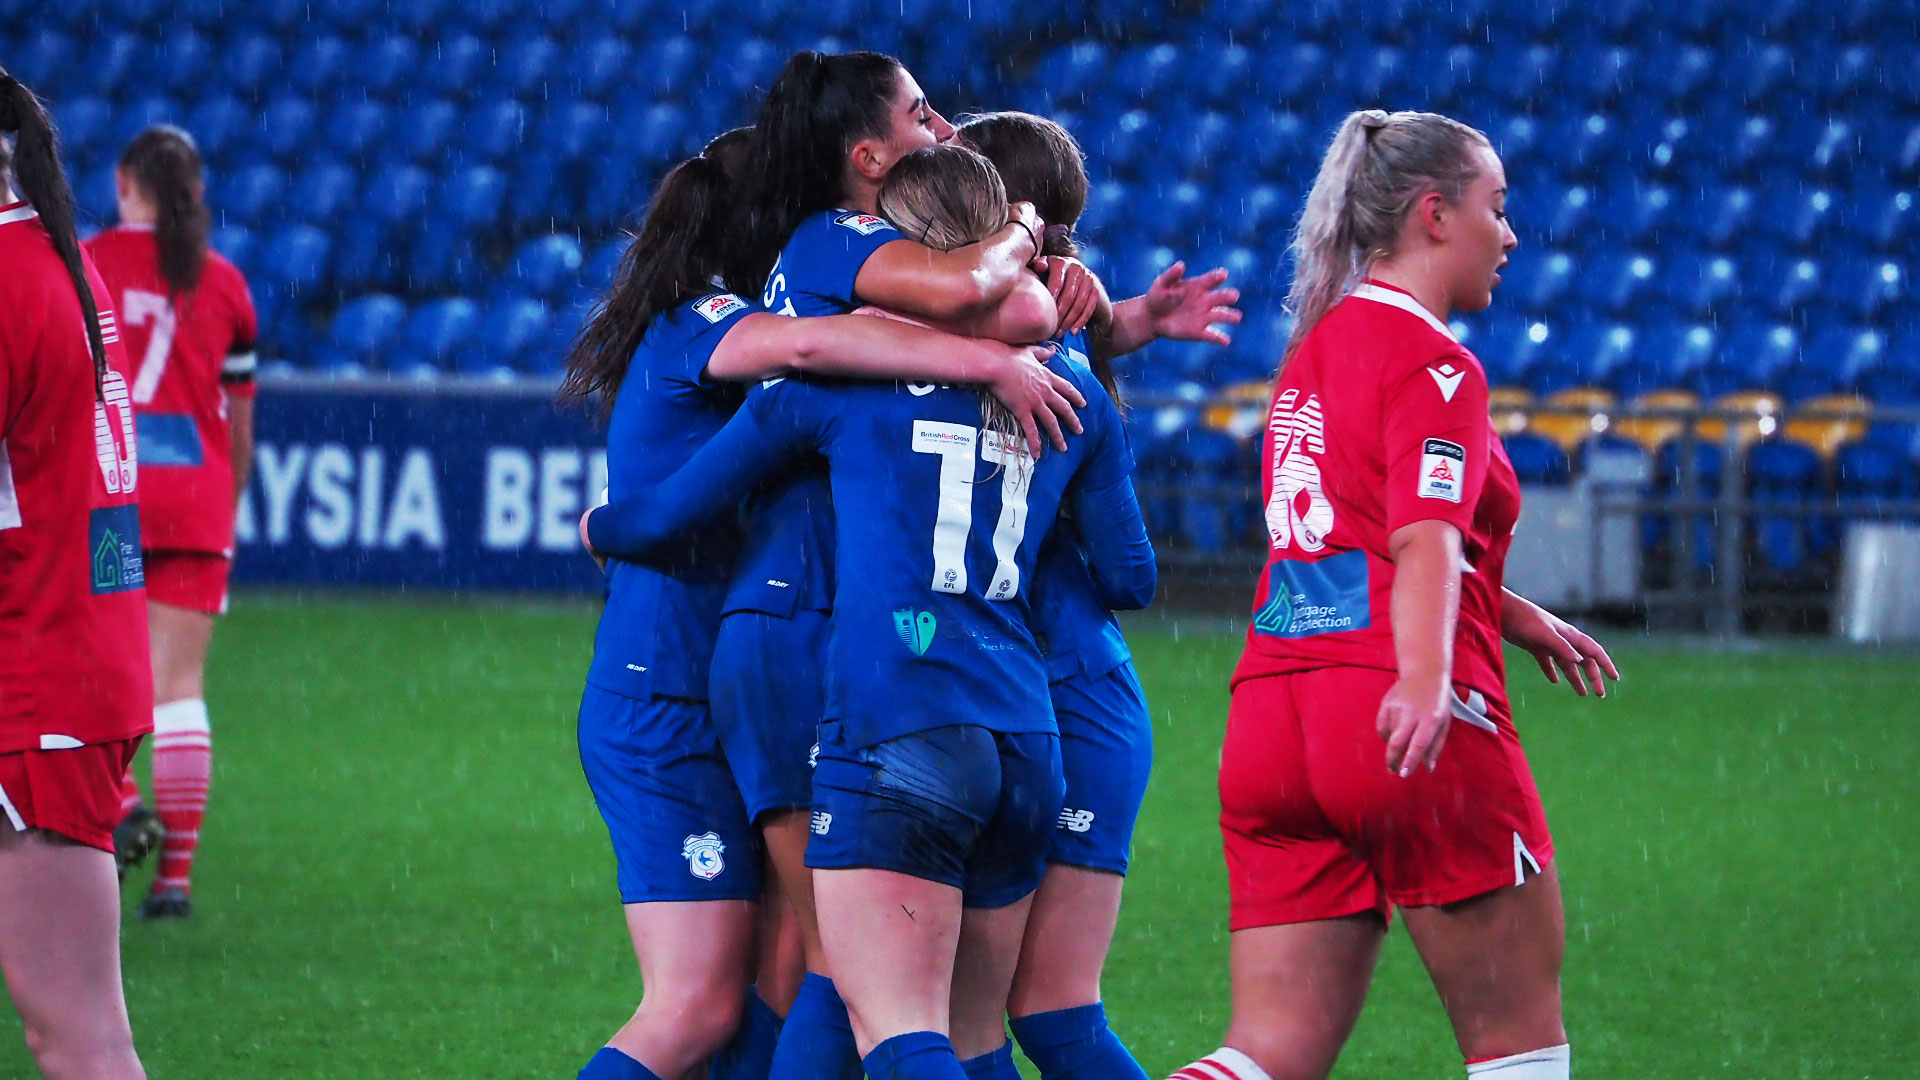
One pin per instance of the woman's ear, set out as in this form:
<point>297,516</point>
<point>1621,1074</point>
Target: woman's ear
<point>1432,211</point>
<point>871,158</point>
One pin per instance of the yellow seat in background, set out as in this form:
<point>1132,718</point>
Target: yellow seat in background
<point>1828,434</point>
<point>1595,407</point>
<point>1652,431</point>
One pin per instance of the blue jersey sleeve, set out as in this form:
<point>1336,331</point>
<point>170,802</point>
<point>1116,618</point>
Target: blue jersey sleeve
<point>1107,514</point>
<point>822,260</point>
<point>694,331</point>
<point>780,419</point>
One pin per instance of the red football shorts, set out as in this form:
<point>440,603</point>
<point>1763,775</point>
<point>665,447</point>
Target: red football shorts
<point>194,580</point>
<point>1317,828</point>
<point>73,792</point>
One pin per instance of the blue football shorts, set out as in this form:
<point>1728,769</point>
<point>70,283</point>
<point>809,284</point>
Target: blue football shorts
<point>960,805</point>
<point>768,686</point>
<point>662,785</point>
<point>1106,752</point>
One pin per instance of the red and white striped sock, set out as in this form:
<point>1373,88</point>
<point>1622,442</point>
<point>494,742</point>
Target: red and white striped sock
<point>1552,1063</point>
<point>129,792</point>
<point>182,767</point>
<point>1225,1063</point>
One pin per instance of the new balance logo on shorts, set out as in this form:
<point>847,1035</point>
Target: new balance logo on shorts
<point>822,821</point>
<point>1076,820</point>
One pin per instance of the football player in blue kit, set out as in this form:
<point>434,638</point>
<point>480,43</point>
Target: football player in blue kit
<point>664,354</point>
<point>829,131</point>
<point>938,782</point>
<point>1106,734</point>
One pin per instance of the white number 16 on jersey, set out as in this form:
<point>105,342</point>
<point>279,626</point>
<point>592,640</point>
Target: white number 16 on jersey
<point>956,443</point>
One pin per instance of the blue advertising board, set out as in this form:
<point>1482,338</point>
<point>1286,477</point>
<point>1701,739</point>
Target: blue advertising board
<point>398,484</point>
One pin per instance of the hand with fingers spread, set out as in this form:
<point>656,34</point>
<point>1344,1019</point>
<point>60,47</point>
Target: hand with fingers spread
<point>1043,401</point>
<point>1557,646</point>
<point>1077,292</point>
<point>1413,719</point>
<point>1180,308</point>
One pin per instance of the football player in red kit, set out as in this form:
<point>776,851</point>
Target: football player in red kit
<point>75,687</point>
<point>189,327</point>
<point>1375,642</point>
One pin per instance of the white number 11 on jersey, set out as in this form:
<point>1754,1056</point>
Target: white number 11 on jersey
<point>956,443</point>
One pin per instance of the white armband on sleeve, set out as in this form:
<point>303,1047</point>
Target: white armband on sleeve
<point>240,365</point>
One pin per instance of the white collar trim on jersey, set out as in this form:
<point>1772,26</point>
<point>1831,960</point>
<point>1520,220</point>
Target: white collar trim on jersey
<point>22,212</point>
<point>1394,298</point>
<point>137,226</point>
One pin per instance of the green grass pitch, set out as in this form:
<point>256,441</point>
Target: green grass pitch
<point>403,874</point>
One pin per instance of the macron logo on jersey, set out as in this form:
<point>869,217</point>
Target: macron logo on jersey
<point>719,306</point>
<point>1447,377</point>
<point>864,224</point>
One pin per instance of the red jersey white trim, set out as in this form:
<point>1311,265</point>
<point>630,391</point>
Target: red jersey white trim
<point>19,211</point>
<point>1367,290</point>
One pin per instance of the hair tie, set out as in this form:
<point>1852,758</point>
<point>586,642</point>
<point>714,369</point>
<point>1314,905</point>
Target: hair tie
<point>1059,234</point>
<point>1373,119</point>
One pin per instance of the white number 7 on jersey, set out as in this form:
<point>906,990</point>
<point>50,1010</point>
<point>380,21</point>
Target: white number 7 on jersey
<point>953,522</point>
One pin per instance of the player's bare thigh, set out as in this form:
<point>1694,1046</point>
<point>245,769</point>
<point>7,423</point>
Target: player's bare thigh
<point>1495,959</point>
<point>1298,989</point>
<point>1068,935</point>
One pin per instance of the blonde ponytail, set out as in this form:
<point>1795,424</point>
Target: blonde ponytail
<point>1377,167</point>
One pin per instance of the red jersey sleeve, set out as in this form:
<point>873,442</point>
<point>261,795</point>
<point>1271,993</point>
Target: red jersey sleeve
<point>237,370</point>
<point>1435,420</point>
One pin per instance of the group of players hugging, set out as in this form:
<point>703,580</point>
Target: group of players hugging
<point>864,731</point>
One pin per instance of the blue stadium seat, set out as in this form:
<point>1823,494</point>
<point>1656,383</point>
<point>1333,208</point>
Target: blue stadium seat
<point>456,66</point>
<point>112,61</point>
<point>43,60</point>
<point>1719,215</point>
<point>504,331</point>
<point>318,63</point>
<point>221,126</point>
<point>421,132</point>
<point>396,194</point>
<point>1596,348</point>
<point>1372,75</point>
<point>387,66</point>
<point>1809,378</point>
<point>1565,212</point>
<point>1538,460</point>
<point>1869,472</point>
<point>179,63</point>
<point>1769,68</point>
<point>1889,386</point>
<point>1678,349</point>
<point>547,267</point>
<point>1517,138</point>
<point>1595,75</point>
<point>442,256</point>
<point>1700,285</point>
<point>296,258</point>
<point>367,255</point>
<point>1302,67</point>
<point>434,332</point>
<point>287,127</point>
<point>598,64</point>
<point>236,243</point>
<point>1619,279</point>
<point>1537,282</point>
<point>1796,216</point>
<point>1656,530</point>
<point>86,124</point>
<point>1791,473</point>
<point>361,333</point>
<point>356,129</point>
<point>1846,350</point>
<point>1865,288</point>
<point>322,192</point>
<point>133,117</point>
<point>570,131</point>
<point>251,196</point>
<point>526,66</point>
<point>1786,287</point>
<point>1715,379</point>
<point>1638,211</point>
<point>596,274</point>
<point>1878,215</point>
<point>1675,72</point>
<point>493,130</point>
<point>1759,349</point>
<point>664,67</point>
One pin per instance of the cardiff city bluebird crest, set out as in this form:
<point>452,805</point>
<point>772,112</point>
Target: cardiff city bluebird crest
<point>703,854</point>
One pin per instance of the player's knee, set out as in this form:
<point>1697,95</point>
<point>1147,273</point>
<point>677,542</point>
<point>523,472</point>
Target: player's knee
<point>711,1013</point>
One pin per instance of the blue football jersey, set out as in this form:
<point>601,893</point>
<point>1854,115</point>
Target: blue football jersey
<point>656,633</point>
<point>1076,630</point>
<point>940,523</point>
<point>787,561</point>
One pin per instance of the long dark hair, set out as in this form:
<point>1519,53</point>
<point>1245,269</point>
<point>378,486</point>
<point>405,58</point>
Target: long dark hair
<point>1040,163</point>
<point>34,164</point>
<point>679,251</point>
<point>165,164</point>
<point>818,107</point>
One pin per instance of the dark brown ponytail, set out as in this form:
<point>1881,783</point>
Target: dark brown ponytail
<point>164,164</point>
<point>34,165</point>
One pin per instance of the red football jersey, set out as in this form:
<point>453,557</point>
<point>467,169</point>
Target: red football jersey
<point>189,352</point>
<point>1379,420</point>
<point>74,668</point>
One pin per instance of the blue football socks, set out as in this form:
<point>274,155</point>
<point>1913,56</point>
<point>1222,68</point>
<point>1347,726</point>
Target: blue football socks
<point>749,1054</point>
<point>997,1065</point>
<point>1076,1044</point>
<point>611,1064</point>
<point>917,1055</point>
<point>816,1041</point>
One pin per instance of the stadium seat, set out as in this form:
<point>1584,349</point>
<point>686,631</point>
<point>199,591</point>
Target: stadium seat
<point>492,130</point>
<point>1537,460</point>
<point>547,267</point>
<point>360,333</point>
<point>236,243</point>
<point>1881,217</point>
<point>396,194</point>
<point>1828,422</point>
<point>1759,349</point>
<point>432,334</point>
<point>1592,407</point>
<point>1803,381</point>
<point>318,63</point>
<point>455,66</point>
<point>387,66</point>
<point>524,68</point>
<point>504,332</point>
<point>322,192</point>
<point>356,129</point>
<point>597,64</point>
<point>1619,279</point>
<point>1866,287</point>
<point>1720,215</point>
<point>287,127</point>
<point>421,132</point>
<point>1868,473</point>
<point>251,195</point>
<point>1847,351</point>
<point>1670,463</point>
<point>1795,216</point>
<point>1700,285</point>
<point>133,117</point>
<point>295,256</point>
<point>1787,474</point>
